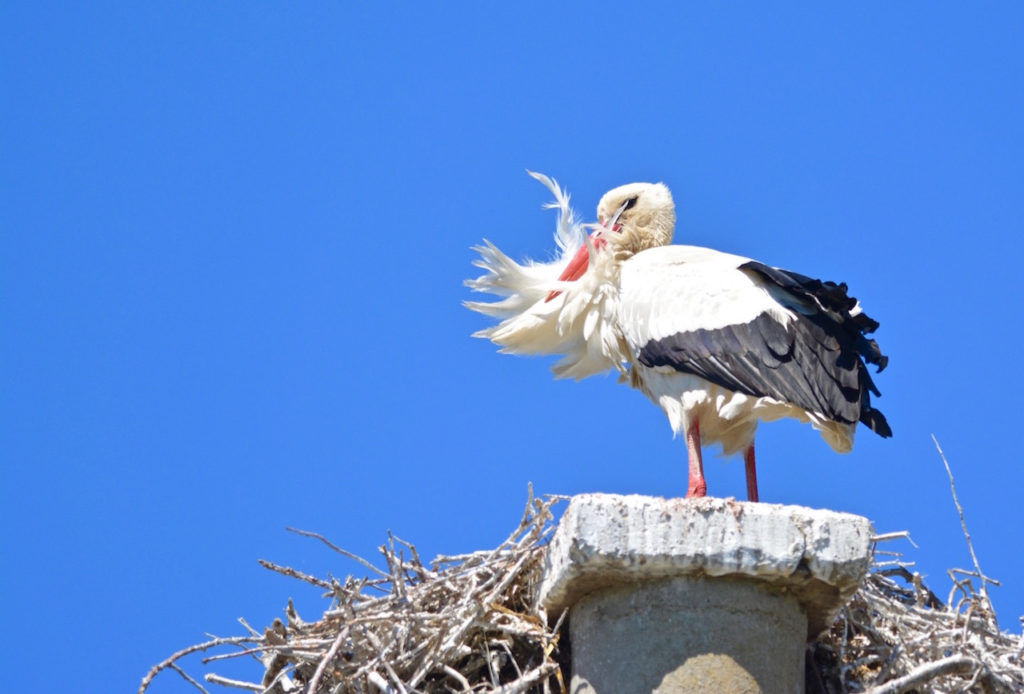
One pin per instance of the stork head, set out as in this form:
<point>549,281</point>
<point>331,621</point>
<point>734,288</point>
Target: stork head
<point>633,218</point>
<point>637,216</point>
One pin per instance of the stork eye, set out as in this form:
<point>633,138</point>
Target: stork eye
<point>631,202</point>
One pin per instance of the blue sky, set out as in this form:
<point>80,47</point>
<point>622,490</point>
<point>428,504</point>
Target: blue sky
<point>233,243</point>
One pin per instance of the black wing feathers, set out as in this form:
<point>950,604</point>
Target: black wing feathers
<point>834,299</point>
<point>816,361</point>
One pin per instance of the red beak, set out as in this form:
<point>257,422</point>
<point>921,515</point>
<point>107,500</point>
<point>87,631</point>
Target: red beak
<point>577,267</point>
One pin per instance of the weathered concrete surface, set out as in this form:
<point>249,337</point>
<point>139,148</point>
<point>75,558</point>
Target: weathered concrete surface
<point>694,595</point>
<point>680,635</point>
<point>606,540</point>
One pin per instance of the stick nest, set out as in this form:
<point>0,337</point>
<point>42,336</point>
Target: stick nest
<point>469,623</point>
<point>898,636</point>
<point>466,623</point>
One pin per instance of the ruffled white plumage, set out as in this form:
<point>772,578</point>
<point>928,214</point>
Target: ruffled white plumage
<point>579,323</point>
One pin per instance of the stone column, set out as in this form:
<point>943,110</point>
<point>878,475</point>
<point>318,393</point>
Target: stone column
<point>698,595</point>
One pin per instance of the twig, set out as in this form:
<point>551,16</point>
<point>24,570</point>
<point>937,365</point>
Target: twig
<point>926,673</point>
<point>529,679</point>
<point>177,668</point>
<point>325,661</point>
<point>885,537</point>
<point>155,670</point>
<point>457,676</point>
<point>983,589</point>
<point>965,572</point>
<point>378,681</point>
<point>339,550</point>
<point>237,684</point>
<point>295,573</point>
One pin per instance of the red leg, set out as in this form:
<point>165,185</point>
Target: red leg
<point>697,486</point>
<point>751,474</point>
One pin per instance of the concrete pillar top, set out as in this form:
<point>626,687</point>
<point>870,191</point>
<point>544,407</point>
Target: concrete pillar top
<point>607,540</point>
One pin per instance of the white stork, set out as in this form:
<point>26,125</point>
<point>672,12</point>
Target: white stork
<point>718,341</point>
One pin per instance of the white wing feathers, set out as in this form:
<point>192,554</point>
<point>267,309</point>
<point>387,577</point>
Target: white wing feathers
<point>673,289</point>
<point>578,323</point>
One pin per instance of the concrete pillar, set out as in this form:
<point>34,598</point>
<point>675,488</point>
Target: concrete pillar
<point>697,595</point>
